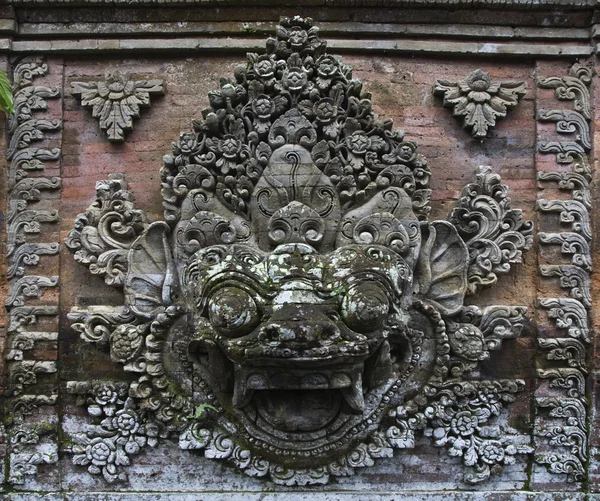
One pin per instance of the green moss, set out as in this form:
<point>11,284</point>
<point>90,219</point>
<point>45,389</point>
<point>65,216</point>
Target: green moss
<point>200,410</point>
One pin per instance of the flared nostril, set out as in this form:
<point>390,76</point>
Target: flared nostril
<point>322,333</point>
<point>286,334</point>
<point>329,334</point>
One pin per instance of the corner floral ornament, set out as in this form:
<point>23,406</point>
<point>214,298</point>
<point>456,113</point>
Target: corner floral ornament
<point>479,100</point>
<point>116,101</point>
<point>296,313</point>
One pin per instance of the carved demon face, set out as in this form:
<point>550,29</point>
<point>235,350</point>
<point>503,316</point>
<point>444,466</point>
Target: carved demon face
<point>293,320</point>
<point>302,325</point>
<point>296,313</point>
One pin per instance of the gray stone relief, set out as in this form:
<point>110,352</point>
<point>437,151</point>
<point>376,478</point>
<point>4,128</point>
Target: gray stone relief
<point>569,122</point>
<point>116,101</point>
<point>574,87</point>
<point>562,405</point>
<point>296,313</point>
<point>30,415</point>
<point>479,101</point>
<point>495,234</point>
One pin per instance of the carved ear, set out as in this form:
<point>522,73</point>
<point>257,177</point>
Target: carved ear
<point>151,274</point>
<point>441,272</point>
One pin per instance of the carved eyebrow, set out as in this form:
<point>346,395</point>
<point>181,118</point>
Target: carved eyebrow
<point>249,283</point>
<point>370,275</point>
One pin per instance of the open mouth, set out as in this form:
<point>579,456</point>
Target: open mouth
<point>345,380</point>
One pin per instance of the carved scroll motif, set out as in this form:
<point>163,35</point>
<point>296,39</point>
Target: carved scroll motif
<point>568,349</point>
<point>30,441</point>
<point>568,153</point>
<point>570,212</point>
<point>573,278</point>
<point>569,122</point>
<point>573,87</point>
<point>564,426</point>
<point>570,181</point>
<point>496,235</point>
<point>571,243</point>
<point>568,314</point>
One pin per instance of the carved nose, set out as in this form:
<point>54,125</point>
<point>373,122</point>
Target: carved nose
<point>309,333</point>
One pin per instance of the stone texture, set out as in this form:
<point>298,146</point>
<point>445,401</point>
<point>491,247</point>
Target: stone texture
<point>400,81</point>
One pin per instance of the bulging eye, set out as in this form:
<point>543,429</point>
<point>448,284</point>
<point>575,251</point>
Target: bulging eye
<point>233,312</point>
<point>365,306</point>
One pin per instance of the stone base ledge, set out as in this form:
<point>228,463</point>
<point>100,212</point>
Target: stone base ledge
<point>302,496</point>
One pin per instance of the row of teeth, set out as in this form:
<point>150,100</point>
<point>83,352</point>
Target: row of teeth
<point>349,383</point>
<point>274,352</point>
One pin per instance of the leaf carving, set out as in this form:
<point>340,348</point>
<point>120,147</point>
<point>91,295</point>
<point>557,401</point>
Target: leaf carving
<point>150,278</point>
<point>116,101</point>
<point>442,268</point>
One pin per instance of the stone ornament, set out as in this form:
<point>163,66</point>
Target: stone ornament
<point>573,87</point>
<point>30,423</point>
<point>561,425</point>
<point>117,100</point>
<point>296,313</point>
<point>479,100</point>
<point>495,234</point>
<point>567,122</point>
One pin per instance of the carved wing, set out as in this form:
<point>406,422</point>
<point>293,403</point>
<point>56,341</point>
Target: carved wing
<point>442,268</point>
<point>150,278</point>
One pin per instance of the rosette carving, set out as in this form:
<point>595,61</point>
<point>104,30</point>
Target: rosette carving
<point>116,101</point>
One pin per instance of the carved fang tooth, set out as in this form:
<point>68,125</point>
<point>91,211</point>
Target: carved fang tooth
<point>354,395</point>
<point>241,393</point>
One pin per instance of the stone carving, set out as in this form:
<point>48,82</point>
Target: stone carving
<point>459,421</point>
<point>568,314</point>
<point>569,153</point>
<point>569,122</point>
<point>296,313</point>
<point>570,243</point>
<point>571,350</point>
<point>30,446</point>
<point>28,286</point>
<point>29,254</point>
<point>561,421</point>
<point>570,212</point>
<point>479,100</point>
<point>116,101</point>
<point>571,277</point>
<point>30,442</point>
<point>573,87</point>
<point>568,379</point>
<point>570,181</point>
<point>121,433</point>
<point>495,234</point>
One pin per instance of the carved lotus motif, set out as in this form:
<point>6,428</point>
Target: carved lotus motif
<point>299,314</point>
<point>117,100</point>
<point>479,100</point>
